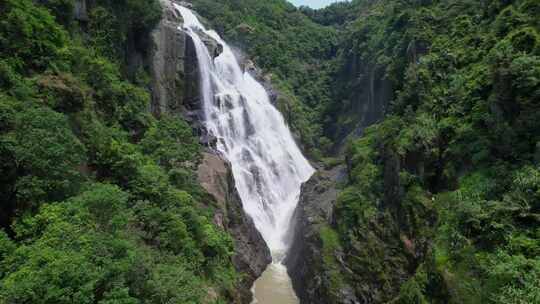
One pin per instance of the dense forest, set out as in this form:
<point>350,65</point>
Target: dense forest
<point>99,201</point>
<point>448,182</point>
<point>442,203</point>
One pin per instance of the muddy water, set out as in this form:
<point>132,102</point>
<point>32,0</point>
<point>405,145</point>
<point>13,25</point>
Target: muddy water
<point>274,287</point>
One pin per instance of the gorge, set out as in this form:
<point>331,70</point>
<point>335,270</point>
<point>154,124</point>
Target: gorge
<point>248,151</point>
<point>267,165</point>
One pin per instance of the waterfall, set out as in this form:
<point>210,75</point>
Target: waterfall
<point>251,133</point>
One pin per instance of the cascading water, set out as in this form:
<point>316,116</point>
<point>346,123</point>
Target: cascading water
<point>267,165</point>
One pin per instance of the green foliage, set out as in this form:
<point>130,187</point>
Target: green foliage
<point>460,140</point>
<point>7,247</point>
<point>89,249</point>
<point>514,278</point>
<point>173,283</point>
<point>412,291</point>
<point>41,154</point>
<point>293,49</point>
<point>118,296</point>
<point>96,193</point>
<point>330,247</point>
<point>63,92</point>
<point>29,37</point>
<point>115,25</point>
<point>170,142</point>
<point>106,204</point>
<point>61,9</point>
<point>116,100</point>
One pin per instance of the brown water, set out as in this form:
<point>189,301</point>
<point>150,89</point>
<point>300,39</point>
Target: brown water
<point>274,287</point>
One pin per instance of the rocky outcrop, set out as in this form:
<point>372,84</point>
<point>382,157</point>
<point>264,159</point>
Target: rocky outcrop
<point>167,66</point>
<point>176,90</point>
<point>214,48</point>
<point>263,78</point>
<point>81,10</point>
<point>174,66</point>
<point>251,253</point>
<point>307,261</point>
<point>368,92</point>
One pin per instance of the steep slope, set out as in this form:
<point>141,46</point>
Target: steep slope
<point>423,116</point>
<point>439,205</point>
<point>294,53</point>
<point>103,202</point>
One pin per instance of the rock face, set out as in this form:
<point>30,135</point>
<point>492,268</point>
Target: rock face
<point>305,261</point>
<point>168,62</point>
<point>251,253</point>
<point>372,95</point>
<point>265,79</point>
<point>176,90</point>
<point>382,253</point>
<point>369,94</point>
<point>174,66</point>
<point>81,11</point>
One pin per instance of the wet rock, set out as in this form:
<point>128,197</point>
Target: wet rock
<point>173,64</point>
<point>214,48</point>
<point>369,98</point>
<point>248,66</point>
<point>251,253</point>
<point>249,128</point>
<point>208,140</point>
<point>192,90</point>
<point>311,281</point>
<point>186,4</point>
<point>224,101</point>
<point>193,116</point>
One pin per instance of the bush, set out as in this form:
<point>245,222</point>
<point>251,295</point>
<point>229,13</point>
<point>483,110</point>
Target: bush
<point>171,143</point>
<point>29,37</point>
<point>45,149</point>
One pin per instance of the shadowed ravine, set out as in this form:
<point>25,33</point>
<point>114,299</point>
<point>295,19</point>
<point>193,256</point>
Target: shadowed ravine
<point>268,166</point>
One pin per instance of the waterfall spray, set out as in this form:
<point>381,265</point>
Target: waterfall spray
<point>268,166</point>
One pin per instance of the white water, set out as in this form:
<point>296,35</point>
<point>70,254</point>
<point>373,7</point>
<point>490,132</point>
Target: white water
<point>267,165</point>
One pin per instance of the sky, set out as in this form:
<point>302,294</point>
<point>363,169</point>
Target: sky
<point>312,3</point>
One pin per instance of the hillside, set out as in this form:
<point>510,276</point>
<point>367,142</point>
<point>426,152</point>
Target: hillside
<point>439,205</point>
<point>422,118</point>
<point>99,198</point>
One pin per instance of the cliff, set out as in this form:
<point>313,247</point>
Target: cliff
<point>175,90</point>
<point>367,91</point>
<point>313,261</point>
<point>251,255</point>
<point>173,65</point>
